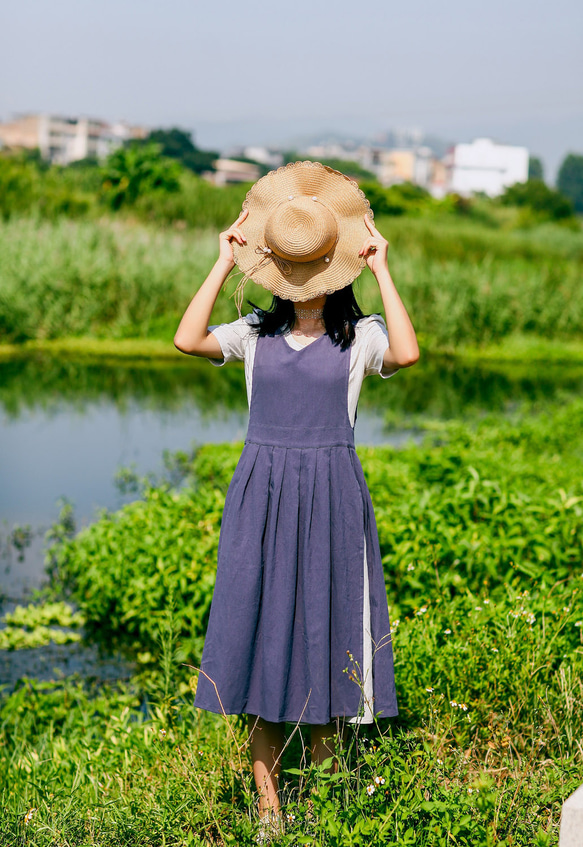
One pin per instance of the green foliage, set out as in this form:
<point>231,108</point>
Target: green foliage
<point>481,532</point>
<point>17,185</point>
<point>137,169</point>
<point>28,626</point>
<point>400,199</point>
<point>535,168</point>
<point>178,144</point>
<point>570,179</point>
<point>535,195</point>
<point>483,510</point>
<point>199,204</point>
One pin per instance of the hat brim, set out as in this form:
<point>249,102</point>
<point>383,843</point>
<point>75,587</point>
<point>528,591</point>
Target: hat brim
<point>299,281</point>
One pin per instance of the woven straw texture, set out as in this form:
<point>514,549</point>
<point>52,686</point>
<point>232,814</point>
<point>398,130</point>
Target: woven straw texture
<point>302,233</point>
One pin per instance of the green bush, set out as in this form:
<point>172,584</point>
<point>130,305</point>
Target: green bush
<point>544,202</point>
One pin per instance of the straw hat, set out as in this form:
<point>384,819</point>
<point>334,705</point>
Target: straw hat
<point>304,231</point>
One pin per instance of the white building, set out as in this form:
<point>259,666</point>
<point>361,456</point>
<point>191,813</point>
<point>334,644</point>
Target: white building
<point>63,140</point>
<point>485,166</point>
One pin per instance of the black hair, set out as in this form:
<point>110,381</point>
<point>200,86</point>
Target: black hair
<point>341,313</point>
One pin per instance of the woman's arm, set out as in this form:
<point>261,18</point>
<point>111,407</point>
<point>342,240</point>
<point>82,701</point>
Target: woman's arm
<point>403,350</point>
<point>193,336</point>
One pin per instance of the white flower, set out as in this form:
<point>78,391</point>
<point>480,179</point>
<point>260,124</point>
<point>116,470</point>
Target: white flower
<point>447,631</point>
<point>578,623</point>
<point>421,611</point>
<point>430,690</point>
<point>163,733</point>
<point>380,780</point>
<point>291,817</point>
<point>452,703</point>
<point>495,650</point>
<point>486,601</point>
<point>463,706</point>
<point>530,618</point>
<point>395,626</point>
<point>370,789</point>
<point>28,816</point>
<point>410,566</point>
<point>478,608</point>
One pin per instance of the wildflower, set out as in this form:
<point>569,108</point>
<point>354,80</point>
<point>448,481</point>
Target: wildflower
<point>163,733</point>
<point>200,753</point>
<point>470,790</point>
<point>430,690</point>
<point>578,623</point>
<point>463,706</point>
<point>370,790</point>
<point>478,608</point>
<point>447,631</point>
<point>380,780</point>
<point>421,611</point>
<point>452,703</point>
<point>395,626</point>
<point>530,618</point>
<point>566,608</point>
<point>410,566</point>
<point>495,650</point>
<point>486,600</point>
<point>290,817</point>
<point>28,816</point>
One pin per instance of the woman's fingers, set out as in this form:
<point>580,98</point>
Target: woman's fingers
<point>371,227</point>
<point>369,244</point>
<point>241,218</point>
<point>234,232</point>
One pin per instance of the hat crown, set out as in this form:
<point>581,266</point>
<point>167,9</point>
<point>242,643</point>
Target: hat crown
<point>301,229</point>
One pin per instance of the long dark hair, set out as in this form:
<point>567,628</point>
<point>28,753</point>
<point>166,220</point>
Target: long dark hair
<point>341,313</point>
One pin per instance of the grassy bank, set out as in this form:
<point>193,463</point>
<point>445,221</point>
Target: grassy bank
<point>464,283</point>
<point>513,349</point>
<point>481,531</point>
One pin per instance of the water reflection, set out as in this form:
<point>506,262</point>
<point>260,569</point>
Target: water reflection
<point>435,388</point>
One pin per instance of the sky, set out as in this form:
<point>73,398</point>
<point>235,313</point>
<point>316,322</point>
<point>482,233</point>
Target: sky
<point>260,73</point>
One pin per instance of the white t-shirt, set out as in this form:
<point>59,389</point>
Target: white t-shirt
<point>238,343</point>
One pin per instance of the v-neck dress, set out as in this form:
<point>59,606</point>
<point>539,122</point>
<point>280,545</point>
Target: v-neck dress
<point>299,626</point>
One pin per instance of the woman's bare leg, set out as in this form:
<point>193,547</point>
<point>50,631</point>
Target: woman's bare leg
<point>323,741</point>
<point>266,740</point>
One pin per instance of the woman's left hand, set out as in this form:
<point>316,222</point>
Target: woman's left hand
<point>375,249</point>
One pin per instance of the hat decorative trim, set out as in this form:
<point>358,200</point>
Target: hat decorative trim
<point>306,224</point>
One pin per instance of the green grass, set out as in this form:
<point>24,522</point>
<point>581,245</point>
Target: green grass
<point>464,283</point>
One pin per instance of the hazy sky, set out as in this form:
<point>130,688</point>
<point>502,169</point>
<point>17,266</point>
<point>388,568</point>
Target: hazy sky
<point>256,72</point>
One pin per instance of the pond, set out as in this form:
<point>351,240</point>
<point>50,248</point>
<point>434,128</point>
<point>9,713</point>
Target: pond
<point>67,426</point>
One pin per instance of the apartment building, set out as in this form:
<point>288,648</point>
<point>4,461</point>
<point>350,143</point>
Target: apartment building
<point>62,140</point>
<point>485,165</point>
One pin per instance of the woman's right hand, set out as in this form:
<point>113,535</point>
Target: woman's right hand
<point>228,236</point>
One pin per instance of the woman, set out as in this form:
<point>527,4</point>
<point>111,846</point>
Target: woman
<point>299,611</point>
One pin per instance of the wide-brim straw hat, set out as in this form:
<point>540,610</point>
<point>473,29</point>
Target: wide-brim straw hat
<point>304,231</point>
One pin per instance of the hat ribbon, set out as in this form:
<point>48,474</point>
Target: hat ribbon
<point>266,256</point>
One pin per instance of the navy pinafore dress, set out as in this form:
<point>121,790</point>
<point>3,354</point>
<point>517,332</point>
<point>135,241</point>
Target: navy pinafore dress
<point>298,546</point>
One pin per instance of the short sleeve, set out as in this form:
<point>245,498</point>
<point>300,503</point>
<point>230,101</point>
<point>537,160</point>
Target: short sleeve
<point>233,338</point>
<point>376,341</point>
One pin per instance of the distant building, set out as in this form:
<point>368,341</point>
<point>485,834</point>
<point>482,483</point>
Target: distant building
<point>264,155</point>
<point>228,171</point>
<point>62,140</point>
<point>485,166</point>
<point>398,165</point>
